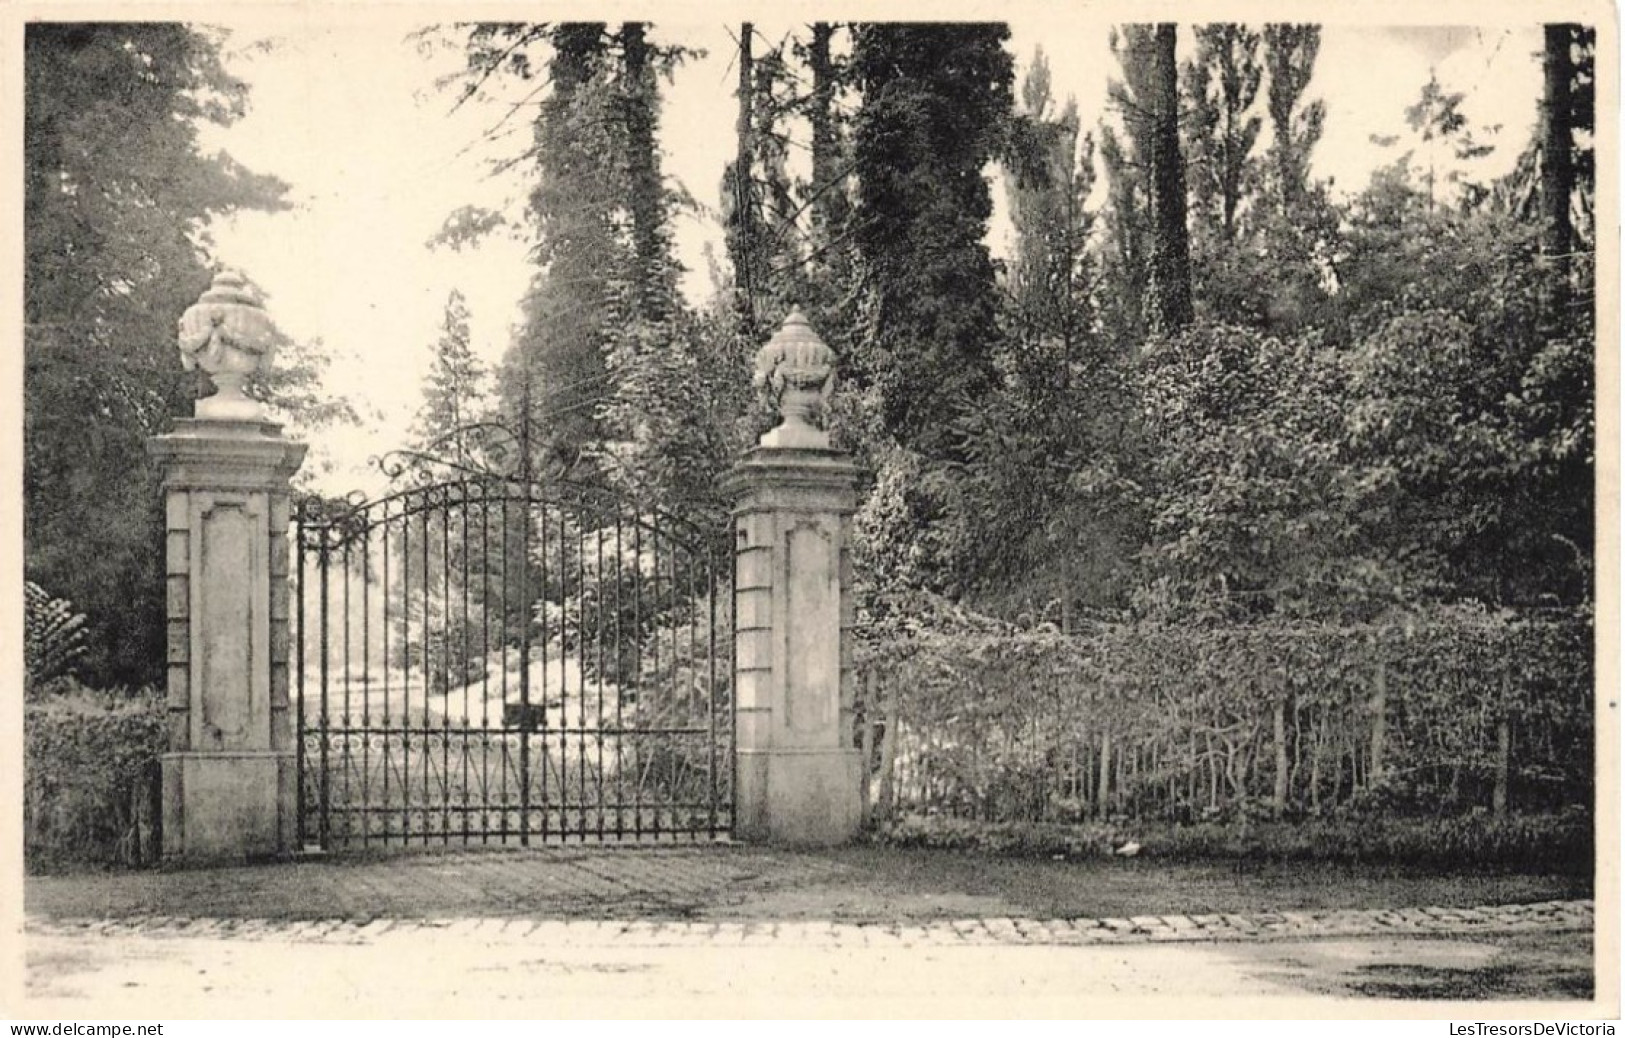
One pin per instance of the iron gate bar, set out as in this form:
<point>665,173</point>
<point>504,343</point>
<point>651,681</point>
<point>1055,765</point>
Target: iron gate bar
<point>384,595</point>
<point>581,677</point>
<point>524,674</point>
<point>463,516</point>
<point>425,810</point>
<point>637,658</point>
<point>445,672</point>
<point>485,653</point>
<point>366,675</point>
<point>436,792</point>
<point>323,560</point>
<point>503,616</point>
<point>345,770</point>
<point>620,695</point>
<point>299,684</point>
<point>598,632</point>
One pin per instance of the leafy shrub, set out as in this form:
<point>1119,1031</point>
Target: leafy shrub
<point>91,778</point>
<point>53,637</point>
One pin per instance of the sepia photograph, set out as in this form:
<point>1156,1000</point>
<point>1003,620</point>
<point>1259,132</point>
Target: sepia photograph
<point>738,515</point>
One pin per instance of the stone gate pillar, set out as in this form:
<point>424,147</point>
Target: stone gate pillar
<point>797,773</point>
<point>229,784</point>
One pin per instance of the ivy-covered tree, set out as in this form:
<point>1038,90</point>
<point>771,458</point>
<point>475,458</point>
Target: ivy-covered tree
<point>1567,158</point>
<point>1147,100</point>
<point>554,375</point>
<point>935,103</point>
<point>760,213</point>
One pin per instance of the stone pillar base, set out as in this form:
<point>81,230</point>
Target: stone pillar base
<point>229,805</point>
<point>798,797</point>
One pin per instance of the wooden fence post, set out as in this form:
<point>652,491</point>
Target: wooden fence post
<point>886,808</point>
<point>1103,787</point>
<point>1503,767</point>
<point>867,747</point>
<point>1379,722</point>
<point>1278,801</point>
<point>1503,750</point>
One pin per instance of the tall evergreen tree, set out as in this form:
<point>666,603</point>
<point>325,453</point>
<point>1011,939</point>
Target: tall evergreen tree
<point>1221,86</point>
<point>1041,487</point>
<point>1125,258</point>
<point>828,192</point>
<point>454,395</point>
<point>827,289</point>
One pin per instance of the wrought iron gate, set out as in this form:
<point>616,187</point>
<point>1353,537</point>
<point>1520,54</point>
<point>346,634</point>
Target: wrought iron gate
<point>492,660</point>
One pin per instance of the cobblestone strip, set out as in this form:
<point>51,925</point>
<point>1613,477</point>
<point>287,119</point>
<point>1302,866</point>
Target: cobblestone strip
<point>1547,915</point>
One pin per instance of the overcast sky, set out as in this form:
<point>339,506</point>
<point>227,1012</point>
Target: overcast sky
<point>347,115</point>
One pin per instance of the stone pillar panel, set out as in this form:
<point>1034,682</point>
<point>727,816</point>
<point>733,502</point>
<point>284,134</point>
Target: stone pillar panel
<point>797,774</point>
<point>226,775</point>
<point>812,592</point>
<point>230,539</point>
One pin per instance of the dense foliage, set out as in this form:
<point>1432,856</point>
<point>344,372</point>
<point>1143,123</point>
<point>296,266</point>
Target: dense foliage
<point>90,789</point>
<point>1223,420</point>
<point>1220,394</point>
<point>118,198</point>
<point>1451,712</point>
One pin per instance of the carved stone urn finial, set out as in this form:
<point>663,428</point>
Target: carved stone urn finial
<point>228,334</point>
<point>795,372</point>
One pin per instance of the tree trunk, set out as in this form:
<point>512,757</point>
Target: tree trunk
<point>888,754</point>
<point>1557,160</point>
<point>1379,721</point>
<point>1316,754</point>
<point>1103,787</point>
<point>1503,750</point>
<point>1278,800</point>
<point>827,211</point>
<point>1503,767</point>
<point>867,744</point>
<point>646,201</point>
<point>744,207</point>
<point>1170,238</point>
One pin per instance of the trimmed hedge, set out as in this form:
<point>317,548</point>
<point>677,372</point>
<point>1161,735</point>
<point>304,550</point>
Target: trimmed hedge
<point>91,780</point>
<point>1450,711</point>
